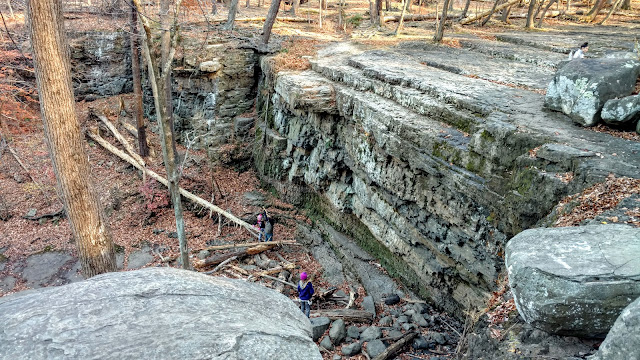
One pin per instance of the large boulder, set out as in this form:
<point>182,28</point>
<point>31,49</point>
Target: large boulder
<point>622,111</point>
<point>151,314</point>
<point>623,341</point>
<point>582,87</point>
<point>574,280</point>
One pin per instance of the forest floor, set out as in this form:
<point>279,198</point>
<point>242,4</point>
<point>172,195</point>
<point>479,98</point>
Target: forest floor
<point>139,214</point>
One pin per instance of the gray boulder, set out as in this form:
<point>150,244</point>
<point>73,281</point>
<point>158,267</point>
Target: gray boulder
<point>338,332</point>
<point>326,343</point>
<point>369,305</point>
<point>621,111</point>
<point>582,87</point>
<point>371,333</point>
<point>318,326</point>
<point>375,348</point>
<point>351,349</point>
<point>575,280</point>
<point>154,313</point>
<point>623,341</point>
<point>353,332</point>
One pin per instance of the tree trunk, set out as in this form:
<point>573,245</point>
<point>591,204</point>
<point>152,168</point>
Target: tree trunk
<point>320,13</point>
<point>379,12</point>
<point>493,9</point>
<point>626,5</point>
<point>373,11</point>
<point>387,5</point>
<point>271,18</point>
<point>466,8</point>
<point>440,31</point>
<point>591,15</point>
<point>66,143</point>
<point>214,7</point>
<point>505,15</point>
<point>232,15</point>
<point>143,149</point>
<point>532,7</point>
<point>165,49</point>
<point>247,4</point>
<point>544,12</point>
<point>158,83</point>
<point>404,9</point>
<point>10,9</point>
<point>614,7</point>
<point>295,5</point>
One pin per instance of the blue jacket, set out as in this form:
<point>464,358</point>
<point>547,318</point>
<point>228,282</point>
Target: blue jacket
<point>307,292</point>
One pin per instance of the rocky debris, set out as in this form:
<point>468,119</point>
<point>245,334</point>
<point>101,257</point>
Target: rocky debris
<point>140,258</point>
<point>353,332</point>
<point>211,66</point>
<point>392,299</point>
<point>326,343</point>
<point>371,333</point>
<point>337,332</point>
<point>47,268</point>
<point>149,316</point>
<point>623,341</point>
<point>318,326</point>
<point>581,88</point>
<point>351,349</point>
<point>242,125</point>
<point>622,111</point>
<point>574,281</point>
<point>375,348</point>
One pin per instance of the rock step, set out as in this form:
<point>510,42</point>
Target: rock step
<point>446,109</point>
<point>513,52</point>
<point>479,65</point>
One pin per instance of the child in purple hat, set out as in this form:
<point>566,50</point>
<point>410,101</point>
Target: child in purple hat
<point>305,292</point>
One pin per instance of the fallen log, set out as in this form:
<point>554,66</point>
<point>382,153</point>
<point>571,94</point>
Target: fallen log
<point>241,245</point>
<point>415,17</point>
<point>118,137</point>
<point>395,347</point>
<point>188,195</point>
<point>215,260</point>
<point>325,294</point>
<point>221,265</point>
<point>476,17</point>
<point>345,314</point>
<point>263,18</point>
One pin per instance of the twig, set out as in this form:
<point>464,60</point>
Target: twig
<point>276,279</point>
<point>451,327</point>
<point>221,265</point>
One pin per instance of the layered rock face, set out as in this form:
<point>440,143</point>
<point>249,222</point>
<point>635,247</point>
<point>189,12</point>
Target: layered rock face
<point>428,168</point>
<point>101,64</point>
<point>154,313</point>
<point>575,280</point>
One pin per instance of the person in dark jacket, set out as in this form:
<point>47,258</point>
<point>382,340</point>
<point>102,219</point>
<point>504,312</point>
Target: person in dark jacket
<point>268,227</point>
<point>305,292</point>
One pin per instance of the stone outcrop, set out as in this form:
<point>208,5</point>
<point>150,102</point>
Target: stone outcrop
<point>622,111</point>
<point>623,341</point>
<point>574,280</point>
<point>429,170</point>
<point>101,64</point>
<point>582,87</point>
<point>154,313</point>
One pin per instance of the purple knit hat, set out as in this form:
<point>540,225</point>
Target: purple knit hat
<point>303,276</point>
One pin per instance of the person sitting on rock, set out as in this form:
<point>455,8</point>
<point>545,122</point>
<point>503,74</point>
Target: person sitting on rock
<point>579,54</point>
<point>305,292</point>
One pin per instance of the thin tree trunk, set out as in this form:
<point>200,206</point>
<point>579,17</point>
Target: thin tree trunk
<point>505,15</point>
<point>214,7</point>
<point>10,8</point>
<point>466,8</point>
<point>232,15</point>
<point>295,5</point>
<point>614,7</point>
<point>493,9</point>
<point>247,4</point>
<point>440,31</point>
<point>532,7</point>
<point>66,143</point>
<point>399,27</point>
<point>387,5</point>
<point>538,9</point>
<point>165,48</point>
<point>271,18</point>
<point>373,11</point>
<point>591,15</point>
<point>320,13</point>
<point>544,12</point>
<point>626,5</point>
<point>158,83</point>
<point>143,149</point>
<point>379,12</point>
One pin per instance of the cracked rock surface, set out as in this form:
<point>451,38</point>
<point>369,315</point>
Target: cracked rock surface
<point>154,313</point>
<point>574,280</point>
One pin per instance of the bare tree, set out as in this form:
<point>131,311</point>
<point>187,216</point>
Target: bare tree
<point>591,15</point>
<point>65,141</point>
<point>544,12</point>
<point>614,7</point>
<point>404,9</point>
<point>143,149</point>
<point>493,10</point>
<point>440,30</point>
<point>233,9</point>
<point>158,74</point>
<point>295,5</point>
<point>530,16</point>
<point>268,23</point>
<point>466,8</point>
<point>626,5</point>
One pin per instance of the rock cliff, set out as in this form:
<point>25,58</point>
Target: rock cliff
<point>430,167</point>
